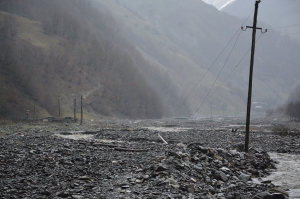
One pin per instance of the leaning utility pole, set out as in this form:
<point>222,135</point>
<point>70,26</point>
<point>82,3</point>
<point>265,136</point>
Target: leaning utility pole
<point>251,73</point>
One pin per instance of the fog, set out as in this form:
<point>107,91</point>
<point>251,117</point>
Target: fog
<point>141,59</point>
<point>199,32</point>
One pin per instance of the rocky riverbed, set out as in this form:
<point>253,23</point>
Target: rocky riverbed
<point>140,159</point>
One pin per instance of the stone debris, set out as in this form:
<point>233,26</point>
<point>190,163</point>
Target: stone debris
<point>136,163</point>
<point>44,166</point>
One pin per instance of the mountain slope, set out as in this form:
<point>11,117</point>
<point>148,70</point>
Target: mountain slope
<point>168,30</point>
<point>137,59</point>
<point>57,50</point>
<point>143,23</point>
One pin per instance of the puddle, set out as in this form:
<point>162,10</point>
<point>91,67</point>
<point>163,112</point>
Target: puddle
<point>75,135</point>
<point>287,173</point>
<point>84,135</point>
<point>167,129</point>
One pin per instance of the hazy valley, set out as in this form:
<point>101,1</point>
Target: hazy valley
<point>133,59</point>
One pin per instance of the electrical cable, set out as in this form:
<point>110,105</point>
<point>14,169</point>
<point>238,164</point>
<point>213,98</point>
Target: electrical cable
<point>206,72</point>
<point>234,68</point>
<point>219,72</point>
<point>211,65</point>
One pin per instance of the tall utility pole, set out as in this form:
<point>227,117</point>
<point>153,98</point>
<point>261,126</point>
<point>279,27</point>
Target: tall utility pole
<point>251,74</point>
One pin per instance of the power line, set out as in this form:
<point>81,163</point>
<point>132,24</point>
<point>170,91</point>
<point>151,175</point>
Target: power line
<point>219,72</point>
<point>206,72</point>
<point>234,68</point>
<point>211,65</point>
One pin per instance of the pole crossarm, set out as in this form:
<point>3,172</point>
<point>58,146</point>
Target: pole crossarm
<point>262,31</point>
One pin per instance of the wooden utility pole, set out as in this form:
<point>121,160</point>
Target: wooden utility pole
<point>223,110</point>
<point>74,109</point>
<point>33,119</point>
<point>254,28</point>
<point>81,111</point>
<point>211,110</point>
<point>58,102</point>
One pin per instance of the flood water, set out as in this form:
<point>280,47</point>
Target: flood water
<point>287,174</point>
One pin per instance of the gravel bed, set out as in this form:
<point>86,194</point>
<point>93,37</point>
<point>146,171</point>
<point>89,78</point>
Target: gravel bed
<point>124,159</point>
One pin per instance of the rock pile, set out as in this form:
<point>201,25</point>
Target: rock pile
<point>41,165</point>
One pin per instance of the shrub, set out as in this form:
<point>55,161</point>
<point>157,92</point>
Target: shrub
<point>281,129</point>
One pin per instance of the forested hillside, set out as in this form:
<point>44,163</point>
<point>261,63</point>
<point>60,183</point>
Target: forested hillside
<point>58,50</point>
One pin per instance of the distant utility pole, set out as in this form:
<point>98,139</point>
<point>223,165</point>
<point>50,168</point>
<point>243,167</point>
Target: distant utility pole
<point>81,111</point>
<point>58,102</point>
<point>251,73</point>
<point>33,118</point>
<point>222,107</point>
<point>74,109</point>
<point>211,110</point>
